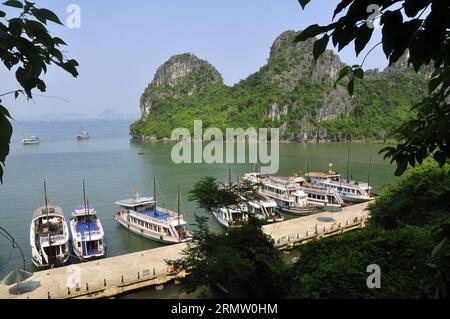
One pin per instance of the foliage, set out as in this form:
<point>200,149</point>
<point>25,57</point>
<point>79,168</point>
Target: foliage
<point>336,267</point>
<point>27,46</point>
<point>427,39</point>
<point>420,198</point>
<point>210,194</point>
<point>243,262</point>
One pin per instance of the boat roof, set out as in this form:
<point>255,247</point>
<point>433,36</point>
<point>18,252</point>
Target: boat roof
<point>53,210</point>
<point>322,174</point>
<point>133,202</point>
<point>81,211</point>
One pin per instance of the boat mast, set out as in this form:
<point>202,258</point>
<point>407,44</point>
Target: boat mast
<point>178,209</point>
<point>348,161</point>
<point>154,188</point>
<point>368,175</point>
<point>48,222</point>
<point>229,175</point>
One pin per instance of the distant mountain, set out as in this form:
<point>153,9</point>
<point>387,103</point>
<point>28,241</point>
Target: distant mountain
<point>291,91</point>
<point>107,114</point>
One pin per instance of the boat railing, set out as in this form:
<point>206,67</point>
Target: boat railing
<point>155,220</point>
<point>277,195</point>
<point>55,238</point>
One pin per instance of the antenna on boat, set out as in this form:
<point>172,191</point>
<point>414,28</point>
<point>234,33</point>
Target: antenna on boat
<point>84,198</point>
<point>368,174</point>
<point>348,161</point>
<point>178,209</point>
<point>229,175</point>
<point>48,221</point>
<point>307,165</point>
<point>154,188</point>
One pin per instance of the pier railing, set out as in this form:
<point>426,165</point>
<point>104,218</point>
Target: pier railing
<point>293,240</point>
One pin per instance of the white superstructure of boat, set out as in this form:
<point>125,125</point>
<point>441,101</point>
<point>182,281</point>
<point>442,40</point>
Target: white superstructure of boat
<point>141,216</point>
<point>31,140</point>
<point>83,135</point>
<point>350,191</point>
<point>49,236</point>
<point>231,216</point>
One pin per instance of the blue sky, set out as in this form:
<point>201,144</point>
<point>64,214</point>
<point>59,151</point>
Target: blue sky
<point>121,44</point>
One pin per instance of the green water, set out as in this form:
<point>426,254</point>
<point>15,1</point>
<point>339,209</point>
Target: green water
<point>111,166</point>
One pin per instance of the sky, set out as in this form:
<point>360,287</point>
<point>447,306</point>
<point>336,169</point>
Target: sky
<point>120,45</point>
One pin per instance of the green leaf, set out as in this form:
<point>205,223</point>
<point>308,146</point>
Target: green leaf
<point>44,14</point>
<point>358,73</point>
<point>342,73</point>
<point>362,38</point>
<point>13,3</point>
<point>303,3</point>
<point>351,87</point>
<point>320,46</point>
<point>5,137</point>
<point>341,6</point>
<point>310,32</point>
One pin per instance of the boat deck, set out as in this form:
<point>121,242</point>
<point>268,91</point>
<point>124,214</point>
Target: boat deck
<point>154,213</point>
<point>84,227</point>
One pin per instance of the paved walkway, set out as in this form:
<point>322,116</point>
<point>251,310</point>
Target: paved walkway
<point>142,266</point>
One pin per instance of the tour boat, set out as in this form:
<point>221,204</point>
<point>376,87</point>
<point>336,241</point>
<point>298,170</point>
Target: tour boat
<point>285,192</point>
<point>141,216</point>
<point>350,191</point>
<point>232,216</point>
<point>31,140</point>
<point>87,231</point>
<point>263,208</point>
<point>83,135</point>
<point>49,236</point>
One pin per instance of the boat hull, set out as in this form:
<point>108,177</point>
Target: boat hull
<point>299,211</point>
<point>152,236</point>
<point>220,220</point>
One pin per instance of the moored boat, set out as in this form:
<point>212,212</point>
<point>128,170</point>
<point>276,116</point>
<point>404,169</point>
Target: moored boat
<point>142,216</point>
<point>350,191</point>
<point>49,236</point>
<point>87,231</point>
<point>232,216</point>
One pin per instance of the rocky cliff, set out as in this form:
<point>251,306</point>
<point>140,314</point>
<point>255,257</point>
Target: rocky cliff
<point>291,91</point>
<point>181,75</point>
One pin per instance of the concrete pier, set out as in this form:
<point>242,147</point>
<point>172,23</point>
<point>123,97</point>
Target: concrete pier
<point>115,275</point>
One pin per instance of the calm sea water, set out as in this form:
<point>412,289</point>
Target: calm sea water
<point>111,166</point>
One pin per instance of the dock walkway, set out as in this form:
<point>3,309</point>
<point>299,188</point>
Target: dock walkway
<point>112,276</point>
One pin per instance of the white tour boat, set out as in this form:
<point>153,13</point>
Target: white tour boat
<point>49,236</point>
<point>232,216</point>
<point>31,140</point>
<point>284,191</point>
<point>263,208</point>
<point>83,135</point>
<point>87,231</point>
<point>350,191</point>
<point>141,216</point>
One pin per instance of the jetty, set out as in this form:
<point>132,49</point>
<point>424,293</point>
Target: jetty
<point>109,277</point>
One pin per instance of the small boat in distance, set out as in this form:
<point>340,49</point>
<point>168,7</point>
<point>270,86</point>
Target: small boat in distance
<point>49,236</point>
<point>83,135</point>
<point>31,140</point>
<point>87,231</point>
<point>141,216</point>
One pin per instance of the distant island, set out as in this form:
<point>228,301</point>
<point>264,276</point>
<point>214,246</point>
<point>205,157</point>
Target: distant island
<point>291,92</point>
<point>107,114</point>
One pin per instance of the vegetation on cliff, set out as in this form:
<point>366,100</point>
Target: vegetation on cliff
<point>291,89</point>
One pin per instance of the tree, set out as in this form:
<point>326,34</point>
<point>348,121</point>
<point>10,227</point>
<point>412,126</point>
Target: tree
<point>243,262</point>
<point>420,27</point>
<point>27,47</point>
